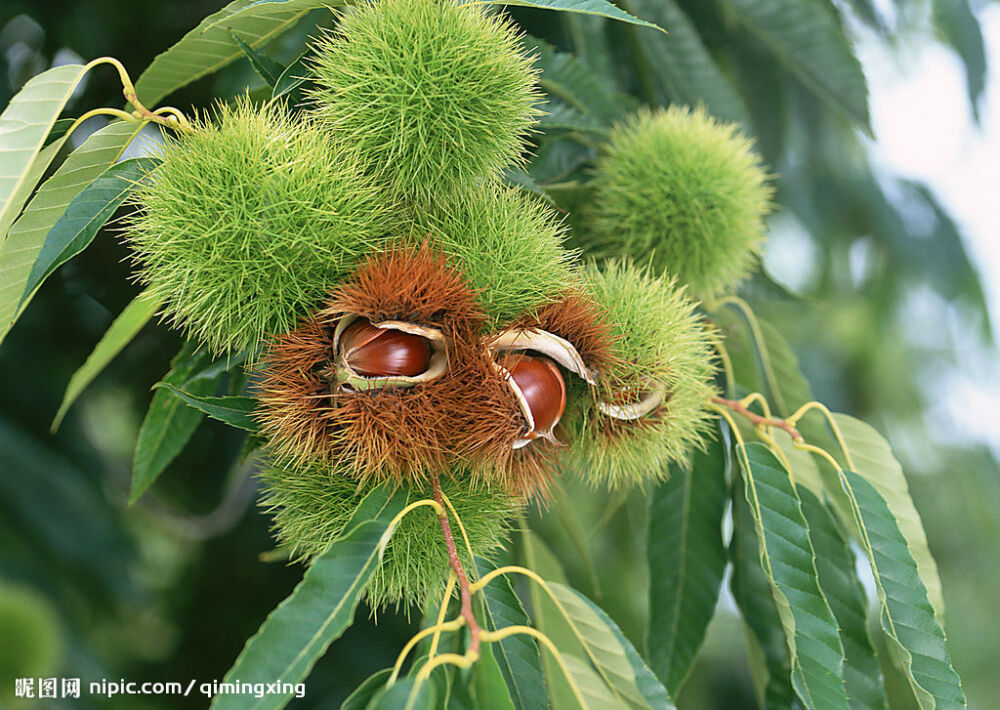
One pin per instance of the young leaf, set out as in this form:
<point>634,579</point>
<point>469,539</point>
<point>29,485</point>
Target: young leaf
<point>835,564</point>
<point>24,126</point>
<point>18,253</point>
<point>686,562</point>
<point>125,327</point>
<point>86,214</point>
<point>169,422</point>
<point>234,411</point>
<point>907,615</point>
<point>770,666</point>
<point>292,79</point>
<point>363,694</point>
<point>808,39</point>
<point>602,8</point>
<point>685,71</point>
<point>518,656</point>
<point>210,46</point>
<point>317,612</point>
<point>873,458</point>
<point>817,656</point>
<point>268,69</point>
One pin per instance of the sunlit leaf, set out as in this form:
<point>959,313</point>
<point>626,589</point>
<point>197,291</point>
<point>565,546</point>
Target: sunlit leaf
<point>125,327</point>
<point>838,579</point>
<point>787,556</point>
<point>686,561</point>
<point>602,8</point>
<point>24,125</point>
<point>210,46</point>
<point>907,615</point>
<point>299,630</point>
<point>18,253</point>
<point>84,217</point>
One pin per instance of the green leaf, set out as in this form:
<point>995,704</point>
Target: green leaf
<point>817,655</point>
<point>36,170</point>
<point>210,46</point>
<point>489,686</point>
<point>567,78</point>
<point>603,639</point>
<point>770,666</point>
<point>616,660</point>
<point>594,693</point>
<point>86,214</point>
<point>838,579</point>
<point>18,253</point>
<point>268,69</point>
<point>401,696</point>
<point>362,695</point>
<point>807,37</point>
<point>518,655</point>
<point>317,612</point>
<point>234,411</point>
<point>687,560</point>
<point>959,27</point>
<point>873,458</point>
<point>685,72</point>
<point>125,327</point>
<point>169,422</point>
<point>24,126</point>
<point>59,129</point>
<point>292,79</point>
<point>516,176</point>
<point>907,615</point>
<point>601,8</point>
<point>560,116</point>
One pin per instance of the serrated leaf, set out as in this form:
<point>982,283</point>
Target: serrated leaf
<point>768,656</point>
<point>232,410</point>
<point>125,327</point>
<point>601,8</point>
<point>687,560</point>
<point>363,694</point>
<point>517,656</point>
<point>210,46</point>
<point>267,69</point>
<point>807,37</point>
<point>651,693</point>
<point>84,217</point>
<point>559,116</point>
<point>18,253</point>
<point>684,71</point>
<point>907,615</point>
<point>39,164</point>
<point>567,78</point>
<point>24,125</point>
<point>873,458</point>
<point>615,658</point>
<point>322,606</point>
<point>169,423</point>
<point>787,556</point>
<point>838,579</point>
<point>594,694</point>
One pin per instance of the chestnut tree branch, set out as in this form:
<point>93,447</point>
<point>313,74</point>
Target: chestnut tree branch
<point>758,420</point>
<point>456,565</point>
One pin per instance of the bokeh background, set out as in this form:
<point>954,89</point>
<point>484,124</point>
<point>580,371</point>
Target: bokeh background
<point>883,270</point>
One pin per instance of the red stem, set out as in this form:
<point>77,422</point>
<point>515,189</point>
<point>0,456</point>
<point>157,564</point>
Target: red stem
<point>456,565</point>
<point>758,420</point>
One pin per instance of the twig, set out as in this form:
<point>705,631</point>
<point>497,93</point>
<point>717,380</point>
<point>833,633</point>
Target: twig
<point>456,565</point>
<point>758,420</point>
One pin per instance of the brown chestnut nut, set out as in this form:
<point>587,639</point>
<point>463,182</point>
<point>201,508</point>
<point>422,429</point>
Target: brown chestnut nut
<point>540,390</point>
<point>383,352</point>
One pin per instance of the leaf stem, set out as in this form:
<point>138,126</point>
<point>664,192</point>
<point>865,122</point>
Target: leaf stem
<point>757,420</point>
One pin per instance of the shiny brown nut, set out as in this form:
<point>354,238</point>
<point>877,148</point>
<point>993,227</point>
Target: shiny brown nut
<point>383,352</point>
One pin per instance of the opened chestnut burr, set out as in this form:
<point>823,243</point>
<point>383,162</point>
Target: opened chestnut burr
<point>541,393</point>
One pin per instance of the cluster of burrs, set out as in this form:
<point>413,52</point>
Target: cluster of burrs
<point>412,318</point>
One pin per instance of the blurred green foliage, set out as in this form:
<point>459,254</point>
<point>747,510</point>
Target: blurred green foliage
<point>171,587</point>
